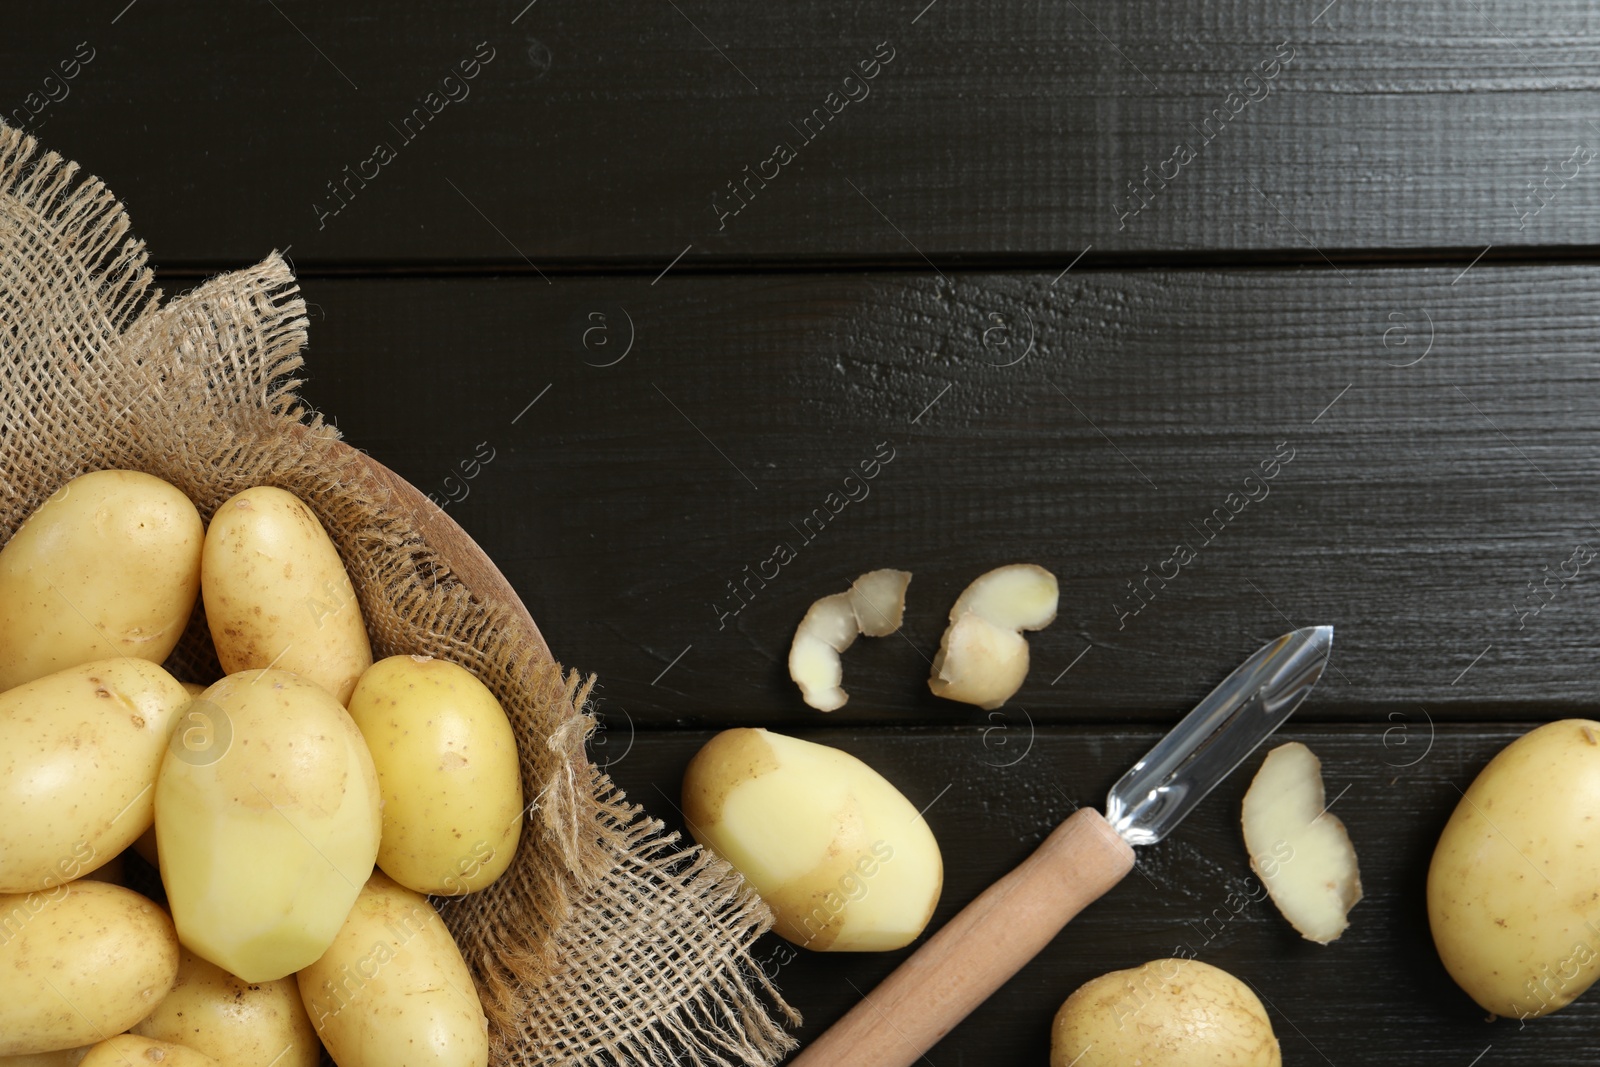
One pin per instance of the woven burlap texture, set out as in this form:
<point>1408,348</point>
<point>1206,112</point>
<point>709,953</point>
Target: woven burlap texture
<point>607,941</point>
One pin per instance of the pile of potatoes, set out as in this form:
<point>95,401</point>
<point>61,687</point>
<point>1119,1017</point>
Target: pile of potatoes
<point>299,811</point>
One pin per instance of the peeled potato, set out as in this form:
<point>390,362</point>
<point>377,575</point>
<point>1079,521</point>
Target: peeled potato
<point>1512,884</point>
<point>1167,1013</point>
<point>129,1050</point>
<point>81,961</point>
<point>232,1021</point>
<point>268,826</point>
<point>107,567</point>
<point>843,859</point>
<point>447,766</point>
<point>277,595</point>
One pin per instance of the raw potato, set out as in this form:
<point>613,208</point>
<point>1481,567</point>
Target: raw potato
<point>131,1051</point>
<point>277,595</point>
<point>874,605</point>
<point>1300,851</point>
<point>1511,889</point>
<point>268,827</point>
<point>81,961</point>
<point>392,990</point>
<point>983,658</point>
<point>448,771</point>
<point>843,859</point>
<point>1167,1013</point>
<point>79,752</point>
<point>109,566</point>
<point>236,1023</point>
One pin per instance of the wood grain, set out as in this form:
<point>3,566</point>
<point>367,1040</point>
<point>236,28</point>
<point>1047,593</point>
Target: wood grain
<point>1379,995</point>
<point>1420,503</point>
<point>999,131</point>
<point>901,284</point>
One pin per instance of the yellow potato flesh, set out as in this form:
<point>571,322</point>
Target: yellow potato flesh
<point>1167,1013</point>
<point>393,988</point>
<point>236,1023</point>
<point>109,566</point>
<point>842,858</point>
<point>447,766</point>
<point>277,595</point>
<point>129,1050</point>
<point>1514,886</point>
<point>78,962</point>
<point>267,823</point>
<point>79,753</point>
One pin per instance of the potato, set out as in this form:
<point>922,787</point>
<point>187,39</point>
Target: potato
<point>109,566</point>
<point>242,1025</point>
<point>841,857</point>
<point>266,834</point>
<point>447,766</point>
<point>128,1050</point>
<point>277,595</point>
<point>78,962</point>
<point>1512,884</point>
<point>1167,1013</point>
<point>79,752</point>
<point>393,989</point>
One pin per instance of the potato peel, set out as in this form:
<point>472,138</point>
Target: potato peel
<point>1300,850</point>
<point>878,599</point>
<point>873,605</point>
<point>983,657</point>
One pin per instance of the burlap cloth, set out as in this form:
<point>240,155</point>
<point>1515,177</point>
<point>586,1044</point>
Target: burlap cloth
<point>607,941</point>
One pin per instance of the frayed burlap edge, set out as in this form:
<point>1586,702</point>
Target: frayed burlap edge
<point>607,941</point>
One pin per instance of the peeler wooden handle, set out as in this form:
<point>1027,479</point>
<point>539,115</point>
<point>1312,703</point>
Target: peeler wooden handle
<point>976,952</point>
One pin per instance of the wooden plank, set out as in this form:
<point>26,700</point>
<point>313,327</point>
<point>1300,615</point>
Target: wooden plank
<point>996,130</point>
<point>623,489</point>
<point>1377,995</point>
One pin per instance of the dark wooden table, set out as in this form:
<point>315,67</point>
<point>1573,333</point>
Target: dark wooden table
<point>1079,267</point>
